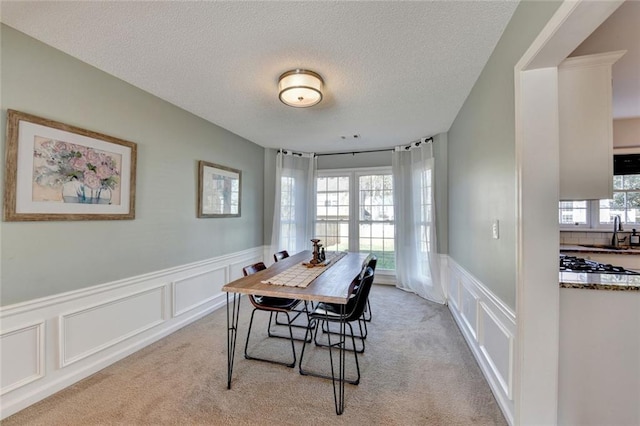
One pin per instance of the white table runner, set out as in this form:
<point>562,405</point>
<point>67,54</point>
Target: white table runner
<point>301,275</point>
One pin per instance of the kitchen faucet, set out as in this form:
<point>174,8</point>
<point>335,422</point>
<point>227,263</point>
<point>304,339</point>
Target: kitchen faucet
<point>617,227</point>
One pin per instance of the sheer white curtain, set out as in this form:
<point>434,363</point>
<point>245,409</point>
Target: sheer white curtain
<point>417,263</point>
<point>293,214</point>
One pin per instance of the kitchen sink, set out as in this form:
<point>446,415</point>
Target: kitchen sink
<point>605,246</point>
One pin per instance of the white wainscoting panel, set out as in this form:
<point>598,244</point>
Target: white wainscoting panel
<point>198,289</point>
<point>21,356</point>
<point>469,309</point>
<point>496,343</point>
<point>488,326</point>
<point>90,330</point>
<point>50,343</point>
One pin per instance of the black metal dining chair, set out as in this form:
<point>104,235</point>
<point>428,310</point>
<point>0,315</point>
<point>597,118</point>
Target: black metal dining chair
<point>304,310</point>
<point>353,310</point>
<point>371,261</point>
<point>280,255</point>
<point>272,305</point>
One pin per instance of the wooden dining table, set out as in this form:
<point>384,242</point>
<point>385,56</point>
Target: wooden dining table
<point>331,286</point>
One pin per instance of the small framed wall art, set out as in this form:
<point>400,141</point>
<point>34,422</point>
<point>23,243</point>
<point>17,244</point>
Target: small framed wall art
<point>219,190</point>
<point>56,171</point>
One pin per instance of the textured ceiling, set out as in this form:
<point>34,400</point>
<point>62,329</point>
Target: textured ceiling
<point>394,71</point>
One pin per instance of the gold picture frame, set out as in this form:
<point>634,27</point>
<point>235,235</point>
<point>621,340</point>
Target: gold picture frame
<point>55,171</point>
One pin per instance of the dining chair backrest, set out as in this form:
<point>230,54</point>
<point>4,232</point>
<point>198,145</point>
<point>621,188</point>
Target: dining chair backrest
<point>252,269</point>
<point>280,255</point>
<point>369,262</point>
<point>361,295</point>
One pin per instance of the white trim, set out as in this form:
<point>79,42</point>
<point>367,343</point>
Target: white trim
<point>469,314</point>
<point>537,296</point>
<point>116,304</point>
<point>175,286</point>
<point>595,60</point>
<point>65,318</point>
<point>505,382</point>
<point>39,370</point>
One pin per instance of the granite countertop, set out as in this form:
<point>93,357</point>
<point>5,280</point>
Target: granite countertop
<point>619,282</point>
<point>601,250</point>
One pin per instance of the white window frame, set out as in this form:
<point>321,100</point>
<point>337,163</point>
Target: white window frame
<point>581,226</point>
<point>593,220</point>
<point>354,202</point>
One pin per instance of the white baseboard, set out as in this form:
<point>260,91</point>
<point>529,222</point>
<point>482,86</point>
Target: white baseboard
<point>50,343</point>
<point>488,326</point>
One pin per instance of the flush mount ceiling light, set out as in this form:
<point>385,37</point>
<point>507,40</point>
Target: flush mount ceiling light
<point>300,88</point>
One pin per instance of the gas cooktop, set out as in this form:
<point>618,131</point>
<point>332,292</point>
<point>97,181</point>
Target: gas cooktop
<point>578,264</point>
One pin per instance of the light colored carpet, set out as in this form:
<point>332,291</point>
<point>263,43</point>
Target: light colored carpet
<point>416,370</point>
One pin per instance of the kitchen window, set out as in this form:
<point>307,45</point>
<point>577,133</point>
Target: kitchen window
<point>354,211</point>
<point>599,214</point>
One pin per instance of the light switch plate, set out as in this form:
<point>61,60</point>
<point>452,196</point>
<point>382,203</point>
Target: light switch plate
<point>495,229</point>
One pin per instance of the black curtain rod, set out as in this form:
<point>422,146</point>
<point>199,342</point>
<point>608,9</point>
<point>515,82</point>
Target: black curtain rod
<point>417,143</point>
<point>354,152</point>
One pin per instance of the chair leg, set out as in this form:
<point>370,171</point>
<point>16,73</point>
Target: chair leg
<point>314,335</point>
<point>367,312</point>
<point>342,345</point>
<point>293,348</point>
<point>361,337</point>
<point>304,310</point>
<point>363,323</point>
<point>271,334</point>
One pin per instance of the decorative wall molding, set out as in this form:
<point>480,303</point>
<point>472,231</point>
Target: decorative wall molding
<point>89,329</point>
<point>195,290</point>
<point>27,363</point>
<point>488,325</point>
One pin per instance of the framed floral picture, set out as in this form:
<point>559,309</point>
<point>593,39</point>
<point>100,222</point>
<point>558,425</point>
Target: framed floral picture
<point>218,190</point>
<point>55,171</point>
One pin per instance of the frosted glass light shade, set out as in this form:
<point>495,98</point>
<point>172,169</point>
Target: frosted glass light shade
<point>300,88</point>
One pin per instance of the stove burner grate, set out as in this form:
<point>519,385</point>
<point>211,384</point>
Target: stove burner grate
<point>578,264</point>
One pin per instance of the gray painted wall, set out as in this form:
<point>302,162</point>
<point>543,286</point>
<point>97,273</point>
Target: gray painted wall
<point>44,258</point>
<point>482,179</point>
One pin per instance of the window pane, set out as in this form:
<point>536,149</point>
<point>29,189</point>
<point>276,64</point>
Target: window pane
<point>332,184</point>
<point>321,184</point>
<point>618,182</point>
<point>631,181</point>
<point>332,212</point>
<point>573,212</point>
<point>343,183</point>
<point>365,244</point>
<point>625,202</point>
<point>632,208</point>
<point>375,198</point>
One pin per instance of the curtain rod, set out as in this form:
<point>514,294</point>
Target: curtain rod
<point>354,152</point>
<point>412,144</point>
